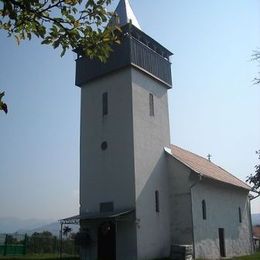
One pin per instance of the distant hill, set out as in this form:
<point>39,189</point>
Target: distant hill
<point>11,224</point>
<point>29,226</point>
<point>54,228</point>
<point>256,219</point>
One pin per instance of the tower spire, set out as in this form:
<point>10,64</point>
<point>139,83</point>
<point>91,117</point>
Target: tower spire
<point>125,14</point>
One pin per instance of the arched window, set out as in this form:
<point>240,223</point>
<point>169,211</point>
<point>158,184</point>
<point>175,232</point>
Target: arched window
<point>204,209</point>
<point>239,215</point>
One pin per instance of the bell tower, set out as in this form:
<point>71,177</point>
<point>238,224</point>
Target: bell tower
<point>124,129</point>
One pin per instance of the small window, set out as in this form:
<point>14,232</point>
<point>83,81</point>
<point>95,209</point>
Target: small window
<point>157,206</point>
<point>105,103</point>
<point>106,207</point>
<point>151,104</point>
<point>204,210</point>
<point>240,215</point>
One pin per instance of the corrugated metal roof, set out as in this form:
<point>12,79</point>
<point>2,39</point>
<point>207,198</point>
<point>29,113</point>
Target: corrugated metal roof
<point>126,14</point>
<point>205,167</point>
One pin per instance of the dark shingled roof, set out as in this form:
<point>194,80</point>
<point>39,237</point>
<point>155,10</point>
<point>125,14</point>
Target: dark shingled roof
<point>205,167</point>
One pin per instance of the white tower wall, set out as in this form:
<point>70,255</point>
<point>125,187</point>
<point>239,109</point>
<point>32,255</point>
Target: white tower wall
<point>107,175</point>
<point>151,135</point>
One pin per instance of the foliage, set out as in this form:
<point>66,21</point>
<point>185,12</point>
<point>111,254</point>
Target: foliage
<point>11,240</point>
<point>66,230</point>
<point>3,106</point>
<point>69,24</point>
<point>65,23</point>
<point>43,242</point>
<point>256,57</point>
<point>254,179</point>
<point>46,243</point>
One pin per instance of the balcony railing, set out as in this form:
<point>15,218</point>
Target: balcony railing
<point>151,61</point>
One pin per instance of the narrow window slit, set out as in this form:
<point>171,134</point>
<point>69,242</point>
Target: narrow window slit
<point>240,215</point>
<point>151,104</point>
<point>105,103</point>
<point>157,206</point>
<point>204,209</point>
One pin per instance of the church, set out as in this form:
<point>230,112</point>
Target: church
<point>140,196</point>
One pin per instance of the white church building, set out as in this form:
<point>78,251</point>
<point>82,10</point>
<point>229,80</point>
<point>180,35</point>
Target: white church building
<point>140,196</point>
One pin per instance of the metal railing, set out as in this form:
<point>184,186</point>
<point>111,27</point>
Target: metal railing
<point>151,61</point>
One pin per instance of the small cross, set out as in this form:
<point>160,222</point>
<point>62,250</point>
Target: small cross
<point>209,157</point>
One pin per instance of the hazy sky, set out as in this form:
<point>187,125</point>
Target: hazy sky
<point>214,108</point>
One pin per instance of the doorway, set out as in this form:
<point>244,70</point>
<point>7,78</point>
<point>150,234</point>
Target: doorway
<point>107,241</point>
<point>221,234</point>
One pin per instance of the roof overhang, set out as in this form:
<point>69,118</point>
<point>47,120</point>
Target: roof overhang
<point>96,216</point>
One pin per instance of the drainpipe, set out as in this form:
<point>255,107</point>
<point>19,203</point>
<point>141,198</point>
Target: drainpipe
<point>192,222</point>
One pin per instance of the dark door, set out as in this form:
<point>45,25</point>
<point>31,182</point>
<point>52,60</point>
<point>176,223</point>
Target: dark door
<point>221,235</point>
<point>107,241</point>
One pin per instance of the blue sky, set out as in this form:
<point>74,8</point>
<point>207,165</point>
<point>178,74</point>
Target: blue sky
<point>214,108</point>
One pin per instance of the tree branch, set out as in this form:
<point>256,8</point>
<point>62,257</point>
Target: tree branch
<point>51,6</point>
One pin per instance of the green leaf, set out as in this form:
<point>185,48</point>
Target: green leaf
<point>56,44</point>
<point>2,95</point>
<point>3,106</point>
<point>63,52</point>
<point>70,24</point>
<point>17,39</point>
<point>46,41</point>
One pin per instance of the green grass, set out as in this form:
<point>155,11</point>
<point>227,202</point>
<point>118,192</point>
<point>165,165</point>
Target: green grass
<point>40,257</point>
<point>255,256</point>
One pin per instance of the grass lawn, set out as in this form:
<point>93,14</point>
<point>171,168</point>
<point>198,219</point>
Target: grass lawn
<point>255,256</point>
<point>40,257</point>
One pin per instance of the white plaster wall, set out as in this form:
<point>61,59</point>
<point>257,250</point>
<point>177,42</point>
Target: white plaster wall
<point>151,134</point>
<point>107,175</point>
<point>126,235</point>
<point>134,166</point>
<point>180,181</point>
<point>222,202</point>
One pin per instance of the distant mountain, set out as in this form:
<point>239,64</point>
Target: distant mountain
<point>256,219</point>
<point>11,224</point>
<point>29,226</point>
<point>54,228</point>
